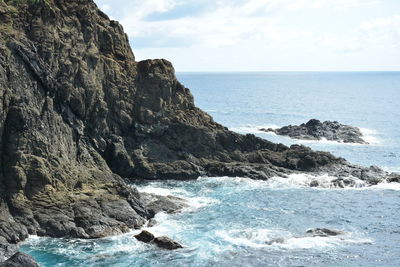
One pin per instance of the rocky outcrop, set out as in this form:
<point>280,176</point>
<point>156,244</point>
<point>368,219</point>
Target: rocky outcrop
<point>79,114</point>
<point>317,130</point>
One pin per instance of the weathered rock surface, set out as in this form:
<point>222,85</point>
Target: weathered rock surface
<point>167,243</point>
<point>317,130</point>
<point>19,260</point>
<point>79,114</point>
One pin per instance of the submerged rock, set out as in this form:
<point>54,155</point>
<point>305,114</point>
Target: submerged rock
<point>167,243</point>
<point>145,236</point>
<point>323,232</point>
<point>275,241</point>
<point>20,260</point>
<point>317,130</point>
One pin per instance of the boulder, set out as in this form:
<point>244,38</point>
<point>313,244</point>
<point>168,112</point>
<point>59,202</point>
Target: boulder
<point>145,236</point>
<point>167,243</point>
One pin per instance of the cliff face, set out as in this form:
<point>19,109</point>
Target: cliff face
<point>78,114</point>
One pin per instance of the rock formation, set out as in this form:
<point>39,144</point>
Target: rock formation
<point>317,130</point>
<point>79,114</point>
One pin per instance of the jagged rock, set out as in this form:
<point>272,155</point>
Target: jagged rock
<point>317,130</point>
<point>323,232</point>
<point>20,260</point>
<point>167,243</point>
<point>145,236</point>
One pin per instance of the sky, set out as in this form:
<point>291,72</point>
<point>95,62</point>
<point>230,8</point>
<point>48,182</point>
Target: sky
<point>263,35</point>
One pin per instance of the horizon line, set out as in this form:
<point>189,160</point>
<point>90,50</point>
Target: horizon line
<point>264,71</point>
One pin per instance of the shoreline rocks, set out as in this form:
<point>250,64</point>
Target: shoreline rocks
<point>317,130</point>
<point>161,241</point>
<point>20,260</point>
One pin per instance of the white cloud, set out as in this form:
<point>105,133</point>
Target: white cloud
<point>258,31</point>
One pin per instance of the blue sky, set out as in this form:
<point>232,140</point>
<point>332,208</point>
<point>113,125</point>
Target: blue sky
<point>263,35</point>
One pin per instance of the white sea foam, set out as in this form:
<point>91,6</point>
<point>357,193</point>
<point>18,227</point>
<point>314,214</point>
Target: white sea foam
<point>369,135</point>
<point>162,191</point>
<point>193,201</point>
<point>301,180</point>
<point>297,180</point>
<point>264,238</point>
<point>254,129</point>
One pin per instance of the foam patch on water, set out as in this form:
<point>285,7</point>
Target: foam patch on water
<point>254,129</point>
<point>299,180</point>
<point>193,201</point>
<point>385,186</point>
<point>369,135</point>
<point>162,191</point>
<point>280,239</point>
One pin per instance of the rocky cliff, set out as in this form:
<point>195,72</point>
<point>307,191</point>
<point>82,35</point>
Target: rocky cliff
<point>79,114</point>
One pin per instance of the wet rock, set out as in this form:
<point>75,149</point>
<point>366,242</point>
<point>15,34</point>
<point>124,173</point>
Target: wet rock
<point>168,204</point>
<point>145,236</point>
<point>20,260</point>
<point>323,232</point>
<point>317,130</point>
<point>275,241</point>
<point>167,243</point>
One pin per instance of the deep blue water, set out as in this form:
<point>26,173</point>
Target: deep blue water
<point>231,219</point>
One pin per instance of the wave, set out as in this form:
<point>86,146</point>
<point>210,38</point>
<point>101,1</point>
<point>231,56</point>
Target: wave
<point>281,239</point>
<point>294,181</point>
<point>194,202</point>
<point>254,129</point>
<point>297,180</point>
<point>369,135</point>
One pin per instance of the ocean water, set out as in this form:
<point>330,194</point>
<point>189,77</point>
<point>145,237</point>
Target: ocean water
<point>230,221</point>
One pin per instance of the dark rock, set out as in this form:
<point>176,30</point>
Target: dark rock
<point>394,178</point>
<point>316,130</point>
<point>167,243</point>
<point>323,232</point>
<point>20,260</point>
<point>145,236</point>
<point>275,241</point>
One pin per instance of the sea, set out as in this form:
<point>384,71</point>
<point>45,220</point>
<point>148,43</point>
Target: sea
<point>232,221</point>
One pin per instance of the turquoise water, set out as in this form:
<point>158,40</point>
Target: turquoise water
<point>230,220</point>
